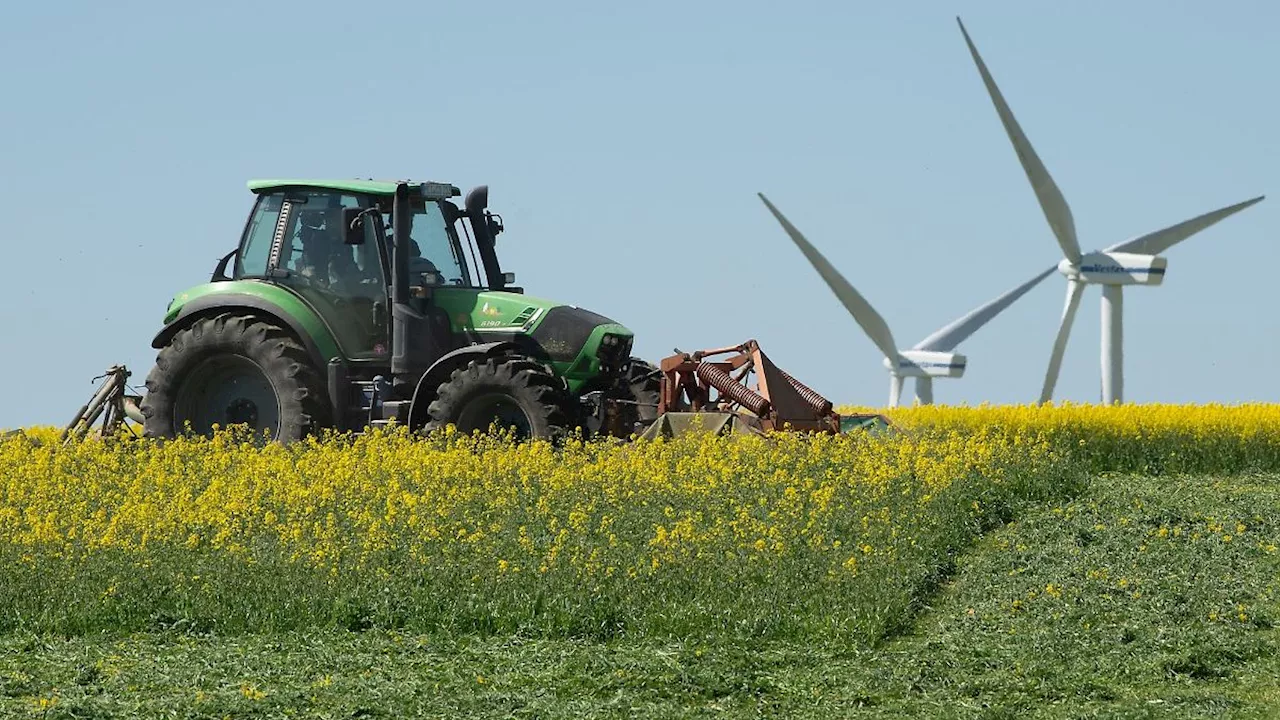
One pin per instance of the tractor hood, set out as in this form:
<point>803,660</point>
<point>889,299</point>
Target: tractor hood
<point>562,331</point>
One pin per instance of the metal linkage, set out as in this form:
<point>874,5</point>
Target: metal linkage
<point>110,404</point>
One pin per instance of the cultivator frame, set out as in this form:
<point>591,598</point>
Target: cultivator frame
<point>694,384</point>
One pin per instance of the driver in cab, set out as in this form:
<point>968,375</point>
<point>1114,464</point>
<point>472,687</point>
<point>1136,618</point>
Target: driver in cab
<point>421,270</point>
<point>326,262</point>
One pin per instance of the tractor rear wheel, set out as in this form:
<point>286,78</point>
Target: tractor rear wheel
<point>509,391</point>
<point>234,370</point>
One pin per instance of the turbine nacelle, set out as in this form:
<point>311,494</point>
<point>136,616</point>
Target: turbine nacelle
<point>1116,268</point>
<point>926,364</point>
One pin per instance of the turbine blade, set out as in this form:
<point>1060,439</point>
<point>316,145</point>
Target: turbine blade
<point>1052,203</point>
<point>947,338</point>
<point>1157,242</point>
<point>866,316</point>
<point>1074,290</point>
<point>895,390</point>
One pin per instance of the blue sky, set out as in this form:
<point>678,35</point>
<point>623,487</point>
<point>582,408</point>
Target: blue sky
<point>624,144</point>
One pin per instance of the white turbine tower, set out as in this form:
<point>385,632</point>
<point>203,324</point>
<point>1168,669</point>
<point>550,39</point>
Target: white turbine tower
<point>1133,262</point>
<point>928,359</point>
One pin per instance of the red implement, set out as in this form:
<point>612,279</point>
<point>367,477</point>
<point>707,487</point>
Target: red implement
<point>775,401</point>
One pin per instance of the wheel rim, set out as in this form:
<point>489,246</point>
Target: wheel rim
<point>497,408</point>
<point>226,390</point>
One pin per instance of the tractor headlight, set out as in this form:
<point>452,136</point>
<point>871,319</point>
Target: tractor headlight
<point>613,352</point>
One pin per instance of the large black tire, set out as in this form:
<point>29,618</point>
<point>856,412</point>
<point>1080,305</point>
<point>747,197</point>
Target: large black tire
<point>639,396</point>
<point>509,390</point>
<point>234,369</point>
<point>645,382</point>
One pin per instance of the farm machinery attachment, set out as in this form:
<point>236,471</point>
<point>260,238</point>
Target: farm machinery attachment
<point>110,404</point>
<point>739,389</point>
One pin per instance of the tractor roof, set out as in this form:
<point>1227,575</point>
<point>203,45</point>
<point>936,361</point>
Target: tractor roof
<point>370,187</point>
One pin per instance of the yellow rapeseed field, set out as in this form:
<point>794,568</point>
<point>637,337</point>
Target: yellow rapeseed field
<point>1212,438</point>
<point>456,521</point>
<point>835,534</point>
<point>528,507</point>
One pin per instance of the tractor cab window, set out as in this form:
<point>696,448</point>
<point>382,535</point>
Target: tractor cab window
<point>255,247</point>
<point>342,282</point>
<point>318,254</point>
<point>434,255</point>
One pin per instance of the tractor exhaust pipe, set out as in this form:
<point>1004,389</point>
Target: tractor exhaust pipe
<point>486,231</point>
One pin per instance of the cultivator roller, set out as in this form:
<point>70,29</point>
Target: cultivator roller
<point>719,396</point>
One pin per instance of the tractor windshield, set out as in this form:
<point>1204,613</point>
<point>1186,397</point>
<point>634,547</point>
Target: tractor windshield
<point>435,254</point>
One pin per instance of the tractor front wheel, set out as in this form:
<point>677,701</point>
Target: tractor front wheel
<point>645,381</point>
<point>631,405</point>
<point>511,392</point>
<point>234,370</point>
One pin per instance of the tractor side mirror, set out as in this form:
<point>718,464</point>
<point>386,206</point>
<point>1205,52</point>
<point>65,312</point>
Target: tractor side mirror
<point>353,220</point>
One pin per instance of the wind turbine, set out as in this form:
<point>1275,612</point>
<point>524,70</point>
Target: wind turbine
<point>1133,262</point>
<point>930,358</point>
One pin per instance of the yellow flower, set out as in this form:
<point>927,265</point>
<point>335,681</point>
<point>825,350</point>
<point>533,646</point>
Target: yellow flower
<point>490,511</point>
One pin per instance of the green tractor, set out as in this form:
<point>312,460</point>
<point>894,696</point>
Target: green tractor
<point>351,304</point>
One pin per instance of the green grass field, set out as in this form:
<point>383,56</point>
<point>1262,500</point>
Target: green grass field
<point>1133,597</point>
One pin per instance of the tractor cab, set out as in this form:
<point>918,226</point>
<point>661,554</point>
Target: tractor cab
<point>333,243</point>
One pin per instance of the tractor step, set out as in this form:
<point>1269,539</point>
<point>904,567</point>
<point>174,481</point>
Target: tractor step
<point>370,409</point>
<point>393,410</point>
